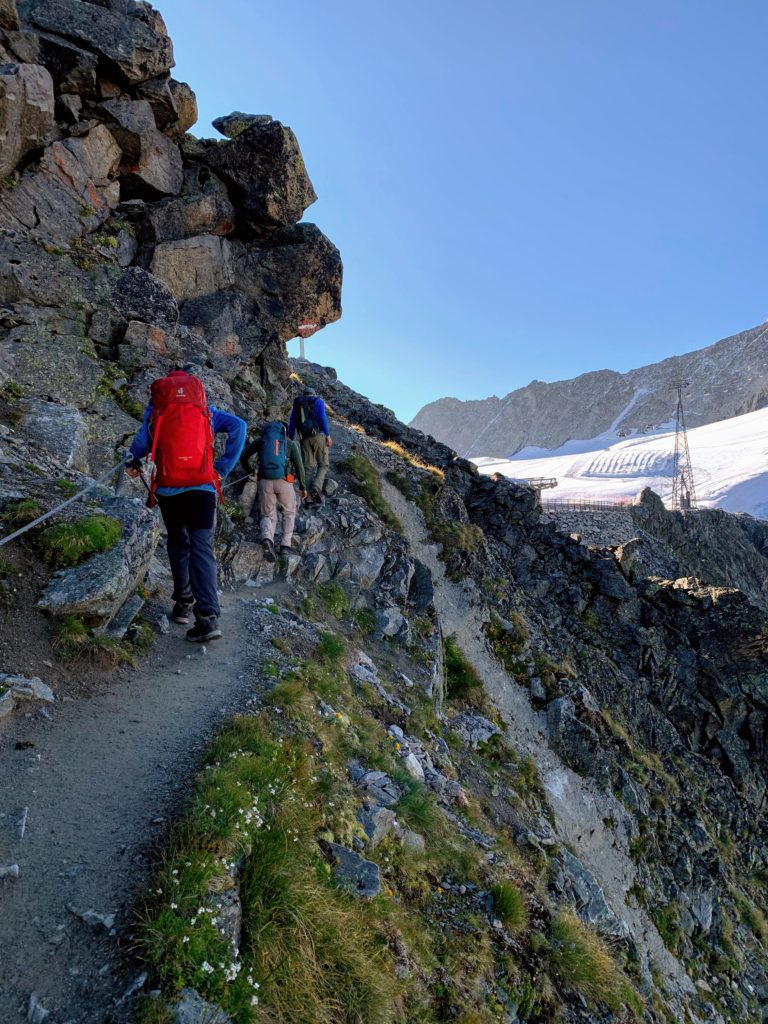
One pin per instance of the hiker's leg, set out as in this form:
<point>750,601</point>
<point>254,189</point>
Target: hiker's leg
<point>321,456</point>
<point>173,511</point>
<point>286,495</point>
<point>267,509</point>
<point>201,520</point>
<point>309,460</point>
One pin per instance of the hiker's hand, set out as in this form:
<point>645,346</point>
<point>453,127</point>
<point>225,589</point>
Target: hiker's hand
<point>303,495</point>
<point>132,471</point>
<point>328,441</point>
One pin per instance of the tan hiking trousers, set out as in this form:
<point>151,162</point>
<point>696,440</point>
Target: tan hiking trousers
<point>271,494</point>
<point>314,452</point>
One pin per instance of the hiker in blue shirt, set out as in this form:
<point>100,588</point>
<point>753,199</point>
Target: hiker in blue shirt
<point>310,421</point>
<point>189,514</point>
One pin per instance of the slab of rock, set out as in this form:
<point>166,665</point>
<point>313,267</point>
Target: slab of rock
<point>100,586</point>
<point>186,105</point>
<point>7,704</point>
<point>378,822</point>
<point>157,92</point>
<point>380,788</point>
<point>57,199</point>
<point>390,622</point>
<point>193,1009</point>
<point>22,688</point>
<point>94,919</point>
<point>296,277</point>
<point>144,345</point>
<point>265,170</point>
<point>72,69</point>
<point>208,212</point>
<point>139,295</point>
<point>474,729</point>
<point>151,165</point>
<point>26,112</point>
<point>60,429</point>
<point>194,267</point>
<point>138,43</point>
<point>352,872</point>
<point>234,124</point>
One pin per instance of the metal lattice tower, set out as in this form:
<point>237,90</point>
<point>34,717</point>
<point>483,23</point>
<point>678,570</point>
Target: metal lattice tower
<point>683,489</point>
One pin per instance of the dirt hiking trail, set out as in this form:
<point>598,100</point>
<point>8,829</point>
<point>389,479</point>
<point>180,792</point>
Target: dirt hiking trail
<point>101,782</point>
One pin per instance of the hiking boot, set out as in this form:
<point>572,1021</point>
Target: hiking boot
<point>285,550</point>
<point>182,612</point>
<point>269,550</point>
<point>204,630</point>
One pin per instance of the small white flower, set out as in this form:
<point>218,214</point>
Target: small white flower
<point>185,940</point>
<point>174,906</point>
<point>205,966</point>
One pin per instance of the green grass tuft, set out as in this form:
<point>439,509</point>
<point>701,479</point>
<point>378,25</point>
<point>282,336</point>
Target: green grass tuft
<point>369,488</point>
<point>461,679</point>
<point>583,963</point>
<point>509,905</point>
<point>73,639</point>
<point>18,513</point>
<point>333,599</point>
<point>69,543</point>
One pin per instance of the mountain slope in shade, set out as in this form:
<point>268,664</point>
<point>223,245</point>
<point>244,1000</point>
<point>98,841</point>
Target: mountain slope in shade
<point>727,379</point>
<point>730,461</point>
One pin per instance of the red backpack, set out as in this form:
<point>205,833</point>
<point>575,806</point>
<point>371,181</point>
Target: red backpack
<point>182,436</point>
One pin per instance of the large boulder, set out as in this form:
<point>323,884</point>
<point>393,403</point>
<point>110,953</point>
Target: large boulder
<point>26,112</point>
<point>265,170</point>
<point>72,69</point>
<point>235,124</point>
<point>98,588</point>
<point>185,102</point>
<point>151,164</point>
<point>136,44</point>
<point>194,266</point>
<point>297,277</point>
<point>53,368</point>
<point>58,198</point>
<point>139,295</point>
<point>208,211</point>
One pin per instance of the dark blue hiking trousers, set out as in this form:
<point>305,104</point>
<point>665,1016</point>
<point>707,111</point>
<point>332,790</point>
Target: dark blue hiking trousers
<point>190,518</point>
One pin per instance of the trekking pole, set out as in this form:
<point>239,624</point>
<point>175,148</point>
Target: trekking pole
<point>64,504</point>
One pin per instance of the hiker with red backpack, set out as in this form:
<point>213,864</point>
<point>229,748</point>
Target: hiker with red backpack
<point>177,432</point>
<point>310,420</point>
<point>278,455</point>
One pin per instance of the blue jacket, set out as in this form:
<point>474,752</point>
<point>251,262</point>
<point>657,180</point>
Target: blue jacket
<point>320,419</point>
<point>225,422</point>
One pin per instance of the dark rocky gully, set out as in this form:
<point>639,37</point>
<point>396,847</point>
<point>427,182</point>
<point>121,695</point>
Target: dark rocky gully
<point>624,660</point>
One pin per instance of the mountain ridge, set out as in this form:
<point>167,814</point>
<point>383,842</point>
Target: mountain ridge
<point>728,377</point>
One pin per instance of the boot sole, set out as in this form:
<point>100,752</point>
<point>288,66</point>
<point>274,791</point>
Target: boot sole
<point>216,635</point>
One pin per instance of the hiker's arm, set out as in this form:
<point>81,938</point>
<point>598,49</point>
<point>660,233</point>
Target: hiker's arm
<point>235,429</point>
<point>249,451</point>
<point>141,444</point>
<point>292,422</point>
<point>322,418</point>
<point>298,464</point>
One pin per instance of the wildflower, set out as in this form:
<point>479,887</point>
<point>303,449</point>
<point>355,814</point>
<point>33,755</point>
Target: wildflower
<point>205,966</point>
<point>397,746</point>
<point>174,906</point>
<point>185,940</point>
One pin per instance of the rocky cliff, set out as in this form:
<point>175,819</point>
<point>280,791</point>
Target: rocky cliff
<point>727,379</point>
<point>128,245</point>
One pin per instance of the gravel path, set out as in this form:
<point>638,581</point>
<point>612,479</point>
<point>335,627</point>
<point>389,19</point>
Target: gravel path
<point>101,782</point>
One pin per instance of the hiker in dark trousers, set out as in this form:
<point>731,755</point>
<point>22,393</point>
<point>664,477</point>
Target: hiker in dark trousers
<point>278,455</point>
<point>178,431</point>
<point>310,421</point>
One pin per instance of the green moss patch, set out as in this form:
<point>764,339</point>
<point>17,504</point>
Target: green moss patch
<point>67,544</point>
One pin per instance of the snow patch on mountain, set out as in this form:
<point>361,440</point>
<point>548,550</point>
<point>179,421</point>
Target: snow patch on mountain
<point>730,464</point>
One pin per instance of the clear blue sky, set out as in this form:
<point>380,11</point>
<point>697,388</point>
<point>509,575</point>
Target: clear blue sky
<point>519,189</point>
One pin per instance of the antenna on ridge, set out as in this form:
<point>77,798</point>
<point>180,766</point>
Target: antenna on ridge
<point>683,489</point>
